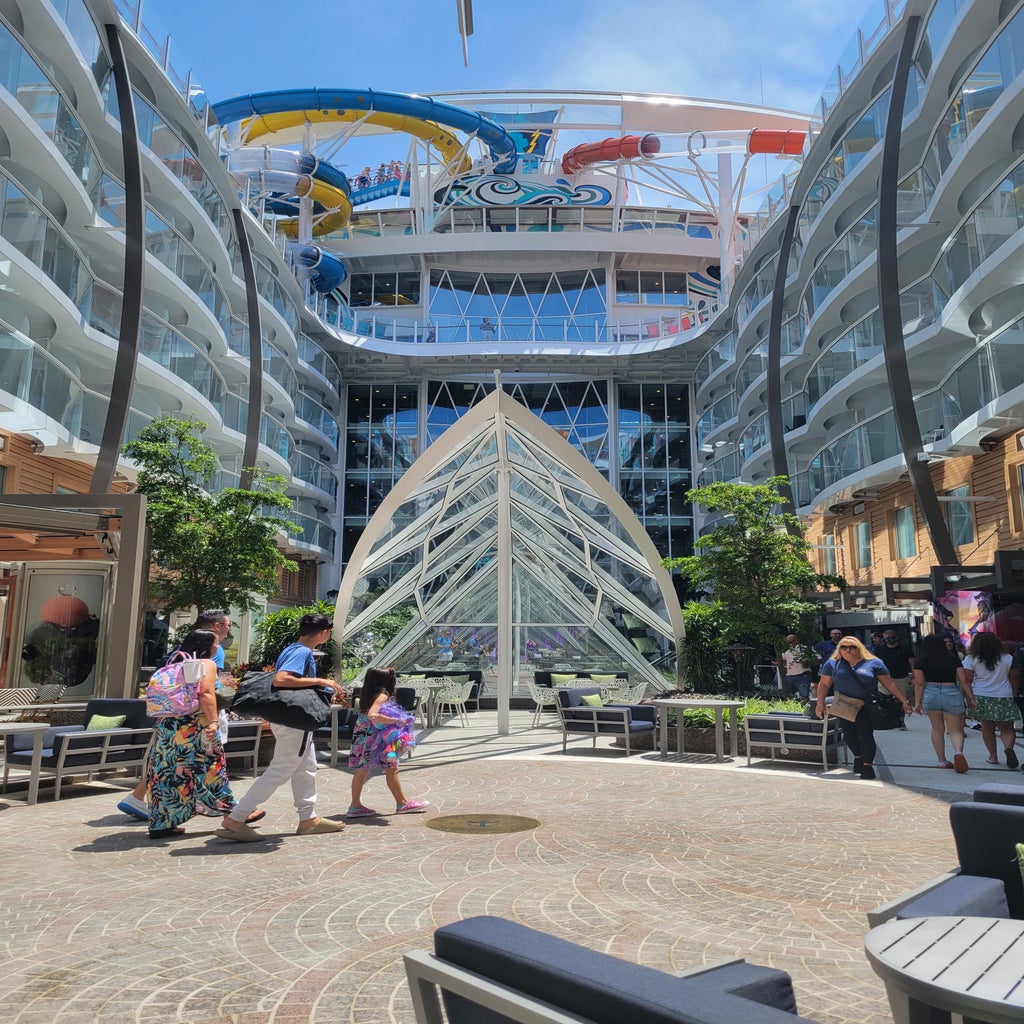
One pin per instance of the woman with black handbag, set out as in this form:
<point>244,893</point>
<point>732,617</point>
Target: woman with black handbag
<point>855,673</point>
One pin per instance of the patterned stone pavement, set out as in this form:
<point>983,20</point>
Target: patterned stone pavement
<point>663,863</point>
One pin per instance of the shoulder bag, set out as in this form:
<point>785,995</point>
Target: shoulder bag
<point>845,707</point>
<point>886,712</point>
<point>307,708</point>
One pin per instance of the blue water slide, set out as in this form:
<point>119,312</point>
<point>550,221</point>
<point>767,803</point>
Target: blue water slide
<point>309,163</point>
<point>393,187</point>
<point>499,142</point>
<point>328,271</point>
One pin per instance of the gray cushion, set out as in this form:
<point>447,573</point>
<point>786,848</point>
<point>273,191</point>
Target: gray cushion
<point>602,988</point>
<point>969,895</point>
<point>1000,793</point>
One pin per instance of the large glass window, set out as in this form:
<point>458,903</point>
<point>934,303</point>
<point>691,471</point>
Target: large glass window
<point>959,516</point>
<point>385,289</point>
<point>828,554</point>
<point>904,539</point>
<point>653,462</point>
<point>565,305</point>
<point>862,545</point>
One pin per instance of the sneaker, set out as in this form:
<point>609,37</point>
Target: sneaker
<point>413,807</point>
<point>1011,758</point>
<point>136,808</point>
<point>867,772</point>
<point>959,764</point>
<point>360,812</point>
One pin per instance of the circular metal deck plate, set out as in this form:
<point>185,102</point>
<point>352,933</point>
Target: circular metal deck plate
<point>475,824</point>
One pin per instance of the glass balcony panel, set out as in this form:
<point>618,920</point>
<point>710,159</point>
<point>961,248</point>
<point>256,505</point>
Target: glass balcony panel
<point>1007,354</point>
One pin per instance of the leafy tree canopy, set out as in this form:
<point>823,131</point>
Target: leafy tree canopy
<point>753,562</point>
<point>208,550</point>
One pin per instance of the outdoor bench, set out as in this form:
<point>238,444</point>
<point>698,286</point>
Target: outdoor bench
<point>784,731</point>
<point>493,970</point>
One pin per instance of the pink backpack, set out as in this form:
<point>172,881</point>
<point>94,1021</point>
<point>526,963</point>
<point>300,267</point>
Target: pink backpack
<point>173,691</point>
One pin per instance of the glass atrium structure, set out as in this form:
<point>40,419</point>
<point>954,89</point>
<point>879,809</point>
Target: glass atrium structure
<point>504,540</point>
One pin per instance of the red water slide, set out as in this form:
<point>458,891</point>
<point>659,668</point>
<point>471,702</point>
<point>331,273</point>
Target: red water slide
<point>628,147</point>
<point>783,143</point>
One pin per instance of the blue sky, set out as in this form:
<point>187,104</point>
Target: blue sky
<point>739,50</point>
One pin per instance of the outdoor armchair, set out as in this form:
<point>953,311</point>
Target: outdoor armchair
<point>626,720</point>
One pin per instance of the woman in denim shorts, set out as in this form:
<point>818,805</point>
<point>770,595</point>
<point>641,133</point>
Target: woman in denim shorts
<point>937,692</point>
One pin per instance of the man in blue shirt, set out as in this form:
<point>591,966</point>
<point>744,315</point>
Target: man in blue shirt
<point>824,649</point>
<point>294,751</point>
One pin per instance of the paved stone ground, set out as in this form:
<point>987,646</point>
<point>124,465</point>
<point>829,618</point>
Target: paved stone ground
<point>663,863</point>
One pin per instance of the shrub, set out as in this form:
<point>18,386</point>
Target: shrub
<point>704,647</point>
<point>704,718</point>
<point>281,628</point>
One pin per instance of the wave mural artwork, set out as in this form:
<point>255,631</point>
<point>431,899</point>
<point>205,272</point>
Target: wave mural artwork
<point>504,190</point>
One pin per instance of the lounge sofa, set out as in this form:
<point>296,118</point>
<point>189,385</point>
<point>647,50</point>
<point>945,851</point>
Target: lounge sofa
<point>74,750</point>
<point>560,678</point>
<point>485,970</point>
<point>987,881</point>
<point>624,720</point>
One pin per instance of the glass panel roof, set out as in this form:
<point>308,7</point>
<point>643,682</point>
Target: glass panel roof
<point>502,500</point>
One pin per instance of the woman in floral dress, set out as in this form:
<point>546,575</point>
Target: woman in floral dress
<point>187,771</point>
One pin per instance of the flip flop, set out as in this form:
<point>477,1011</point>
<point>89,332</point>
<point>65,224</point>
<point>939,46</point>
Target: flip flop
<point>944,764</point>
<point>255,816</point>
<point>991,760</point>
<point>322,827</point>
<point>960,765</point>
<point>241,834</point>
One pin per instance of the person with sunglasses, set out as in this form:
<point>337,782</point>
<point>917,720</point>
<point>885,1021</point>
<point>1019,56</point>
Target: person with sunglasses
<point>855,672</point>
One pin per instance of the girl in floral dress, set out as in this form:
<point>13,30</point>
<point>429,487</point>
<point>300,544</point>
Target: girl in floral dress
<point>382,732</point>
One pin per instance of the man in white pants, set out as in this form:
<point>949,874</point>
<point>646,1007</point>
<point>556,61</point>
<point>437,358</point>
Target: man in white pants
<point>294,752</point>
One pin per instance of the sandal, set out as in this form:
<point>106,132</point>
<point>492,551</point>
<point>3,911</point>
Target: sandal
<point>944,764</point>
<point>255,816</point>
<point>991,760</point>
<point>241,834</point>
<point>360,812</point>
<point>960,765</point>
<point>163,833</point>
<point>323,826</point>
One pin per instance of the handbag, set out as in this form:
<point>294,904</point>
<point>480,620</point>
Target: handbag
<point>845,707</point>
<point>886,713</point>
<point>307,708</point>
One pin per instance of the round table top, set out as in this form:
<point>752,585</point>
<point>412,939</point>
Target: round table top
<point>969,965</point>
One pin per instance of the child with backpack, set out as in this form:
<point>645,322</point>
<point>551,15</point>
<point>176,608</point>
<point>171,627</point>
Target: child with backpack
<point>382,732</point>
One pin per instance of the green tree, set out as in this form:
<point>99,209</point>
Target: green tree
<point>753,562</point>
<point>208,550</point>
